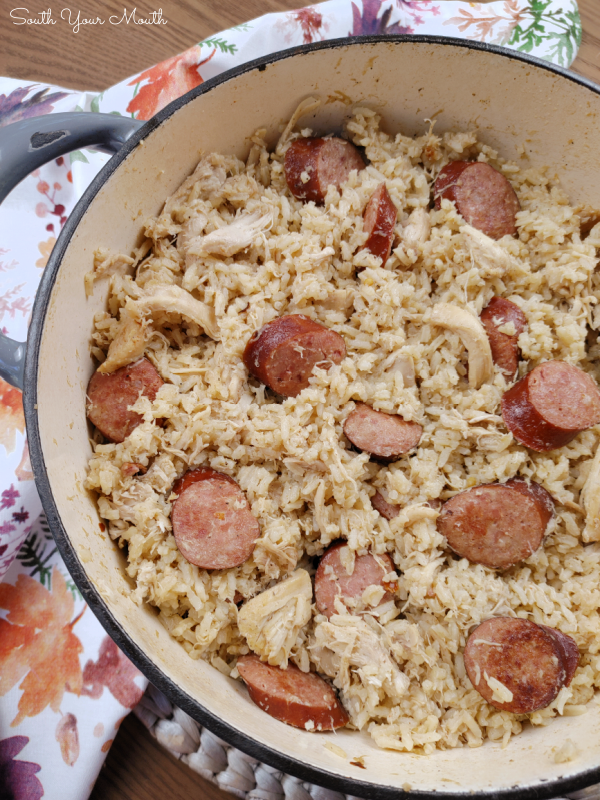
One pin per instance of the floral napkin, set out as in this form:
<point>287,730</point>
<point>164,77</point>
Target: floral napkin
<point>64,685</point>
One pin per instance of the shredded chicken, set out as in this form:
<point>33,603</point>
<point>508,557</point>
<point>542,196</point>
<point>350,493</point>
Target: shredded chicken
<point>272,620</point>
<point>346,648</point>
<point>338,300</point>
<point>230,239</point>
<point>208,177</point>
<point>417,229</point>
<point>128,345</point>
<point>590,496</point>
<point>175,300</point>
<point>491,259</point>
<point>190,232</point>
<point>402,364</point>
<point>473,335</point>
<point>307,106</point>
<point>107,263</point>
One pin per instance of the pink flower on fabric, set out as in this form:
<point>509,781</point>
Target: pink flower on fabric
<point>41,209</point>
<point>20,516</point>
<point>9,496</point>
<point>115,671</point>
<point>17,778</point>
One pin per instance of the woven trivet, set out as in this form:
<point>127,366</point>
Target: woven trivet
<point>232,770</point>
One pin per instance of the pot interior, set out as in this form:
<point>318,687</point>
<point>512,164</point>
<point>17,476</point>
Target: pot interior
<point>529,113</point>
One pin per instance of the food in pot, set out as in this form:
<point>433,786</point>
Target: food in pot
<point>379,221</point>
<point>301,699</point>
<point>497,525</point>
<point>385,436</point>
<point>504,322</point>
<point>270,322</point>
<point>387,510</point>
<point>212,522</point>
<point>109,397</point>
<point>548,407</point>
<point>519,666</point>
<point>312,165</point>
<point>348,583</point>
<point>482,194</point>
<point>284,352</point>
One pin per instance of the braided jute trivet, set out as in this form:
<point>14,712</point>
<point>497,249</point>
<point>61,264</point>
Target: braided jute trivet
<point>232,770</point>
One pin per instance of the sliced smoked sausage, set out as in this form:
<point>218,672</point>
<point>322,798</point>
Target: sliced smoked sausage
<point>504,346</point>
<point>569,649</point>
<point>283,353</point>
<point>212,522</point>
<point>387,510</point>
<point>301,699</point>
<point>533,662</point>
<point>385,436</point>
<point>549,406</point>
<point>312,164</point>
<point>481,194</point>
<point>332,579</point>
<point>497,525</point>
<point>110,395</point>
<point>379,220</point>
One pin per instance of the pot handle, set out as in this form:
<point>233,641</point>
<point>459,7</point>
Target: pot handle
<point>30,143</point>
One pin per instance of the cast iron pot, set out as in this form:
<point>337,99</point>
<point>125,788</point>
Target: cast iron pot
<point>531,111</point>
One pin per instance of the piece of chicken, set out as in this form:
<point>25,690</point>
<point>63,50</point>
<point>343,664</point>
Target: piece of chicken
<point>230,239</point>
<point>272,620</point>
<point>346,648</point>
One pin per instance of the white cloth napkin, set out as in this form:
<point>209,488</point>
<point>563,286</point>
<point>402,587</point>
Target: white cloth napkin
<point>64,685</point>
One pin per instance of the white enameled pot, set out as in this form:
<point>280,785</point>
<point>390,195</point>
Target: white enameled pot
<point>531,112</point>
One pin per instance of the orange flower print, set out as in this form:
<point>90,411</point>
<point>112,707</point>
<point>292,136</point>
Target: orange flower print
<point>12,418</point>
<point>37,644</point>
<point>166,82</point>
<point>45,249</point>
<point>24,472</point>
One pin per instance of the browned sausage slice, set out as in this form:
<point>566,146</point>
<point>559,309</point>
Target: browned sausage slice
<point>387,510</point>
<point>312,164</point>
<point>379,221</point>
<point>110,395</point>
<point>542,498</point>
<point>385,436</point>
<point>504,346</point>
<point>549,406</point>
<point>284,352</point>
<point>497,525</point>
<point>212,522</point>
<point>525,657</point>
<point>570,652</point>
<point>301,699</point>
<point>332,580</point>
<point>482,195</point>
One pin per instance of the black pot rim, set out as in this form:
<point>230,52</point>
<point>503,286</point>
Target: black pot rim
<point>358,788</point>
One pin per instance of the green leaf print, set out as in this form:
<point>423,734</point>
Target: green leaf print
<point>77,155</point>
<point>34,556</point>
<point>220,44</point>
<point>95,105</point>
<point>536,28</point>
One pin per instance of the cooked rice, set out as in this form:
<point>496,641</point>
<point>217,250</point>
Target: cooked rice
<point>400,670</point>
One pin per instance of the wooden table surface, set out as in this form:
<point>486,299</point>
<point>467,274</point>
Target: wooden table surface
<point>137,768</point>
